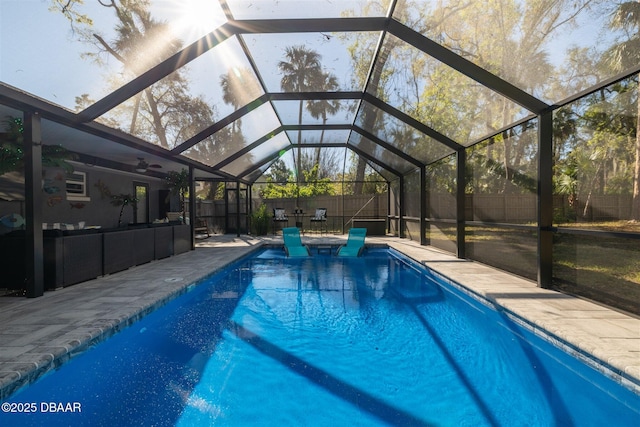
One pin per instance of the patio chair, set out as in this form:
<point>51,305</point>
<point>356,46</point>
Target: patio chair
<point>279,217</point>
<point>319,220</point>
<point>201,227</point>
<point>355,243</point>
<point>293,243</point>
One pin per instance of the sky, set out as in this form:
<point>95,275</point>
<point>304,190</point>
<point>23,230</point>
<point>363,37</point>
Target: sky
<point>42,56</point>
<point>34,53</point>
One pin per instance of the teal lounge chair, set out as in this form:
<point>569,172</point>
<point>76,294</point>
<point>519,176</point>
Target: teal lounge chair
<point>355,243</point>
<point>293,244</point>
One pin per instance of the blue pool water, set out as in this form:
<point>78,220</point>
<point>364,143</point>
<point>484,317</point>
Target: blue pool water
<point>325,341</point>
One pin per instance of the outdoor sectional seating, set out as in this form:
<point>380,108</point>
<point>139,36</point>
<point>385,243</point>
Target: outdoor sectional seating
<point>163,241</point>
<point>74,256</point>
<point>143,245</point>
<point>81,256</point>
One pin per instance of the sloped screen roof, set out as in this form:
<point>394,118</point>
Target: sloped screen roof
<point>232,86</point>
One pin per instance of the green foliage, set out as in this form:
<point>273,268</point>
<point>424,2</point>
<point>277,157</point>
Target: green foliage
<point>163,112</point>
<point>300,72</point>
<point>506,163</point>
<point>239,87</point>
<point>12,150</point>
<point>260,220</point>
<point>441,176</point>
<point>278,172</point>
<point>211,191</point>
<point>520,180</point>
<point>310,187</point>
<point>118,200</point>
<point>600,155</point>
<point>122,200</point>
<point>178,183</point>
<point>372,185</point>
<point>566,181</point>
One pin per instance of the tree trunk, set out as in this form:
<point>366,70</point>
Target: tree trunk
<point>299,177</point>
<point>157,119</point>
<point>587,203</point>
<point>508,176</point>
<point>371,116</point>
<point>134,116</point>
<point>120,216</point>
<point>153,105</point>
<point>635,205</point>
<point>318,150</point>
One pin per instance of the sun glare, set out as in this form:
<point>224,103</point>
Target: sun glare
<point>195,18</point>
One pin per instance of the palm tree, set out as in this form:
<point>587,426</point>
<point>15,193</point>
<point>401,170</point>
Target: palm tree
<point>122,201</point>
<point>239,87</point>
<point>622,57</point>
<point>324,107</point>
<point>137,30</point>
<point>300,71</point>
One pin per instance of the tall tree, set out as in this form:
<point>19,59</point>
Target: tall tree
<point>377,78</point>
<point>322,108</point>
<point>300,71</point>
<point>508,38</point>
<point>239,87</point>
<point>278,172</point>
<point>623,56</point>
<point>165,113</point>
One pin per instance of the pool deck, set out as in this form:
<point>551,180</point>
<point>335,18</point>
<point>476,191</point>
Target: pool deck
<point>40,334</point>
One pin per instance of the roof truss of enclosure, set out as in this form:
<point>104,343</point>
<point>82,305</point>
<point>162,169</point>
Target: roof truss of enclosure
<point>221,94</point>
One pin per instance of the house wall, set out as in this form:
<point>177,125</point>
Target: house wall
<point>97,210</point>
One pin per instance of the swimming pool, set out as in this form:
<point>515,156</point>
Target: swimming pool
<point>324,341</point>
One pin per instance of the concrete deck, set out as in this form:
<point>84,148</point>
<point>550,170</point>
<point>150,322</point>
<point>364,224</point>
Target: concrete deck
<point>39,334</point>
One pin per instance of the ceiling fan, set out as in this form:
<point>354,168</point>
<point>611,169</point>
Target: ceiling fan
<point>142,166</point>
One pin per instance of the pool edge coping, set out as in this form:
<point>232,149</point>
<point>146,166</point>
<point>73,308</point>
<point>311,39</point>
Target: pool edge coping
<point>23,378</point>
<point>9,386</point>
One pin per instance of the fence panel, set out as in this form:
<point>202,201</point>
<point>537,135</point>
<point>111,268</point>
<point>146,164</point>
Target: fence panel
<point>340,209</point>
<point>442,206</point>
<point>514,208</point>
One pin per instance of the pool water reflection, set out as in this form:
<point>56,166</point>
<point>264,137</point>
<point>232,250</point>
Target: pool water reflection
<point>327,341</point>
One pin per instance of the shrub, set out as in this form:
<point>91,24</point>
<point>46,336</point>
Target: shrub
<point>260,220</point>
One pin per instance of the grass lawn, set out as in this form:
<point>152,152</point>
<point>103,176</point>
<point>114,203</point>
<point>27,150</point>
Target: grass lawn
<point>603,269</point>
<point>600,268</point>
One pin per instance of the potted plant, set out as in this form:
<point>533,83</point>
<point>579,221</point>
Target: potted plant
<point>123,200</point>
<point>260,220</point>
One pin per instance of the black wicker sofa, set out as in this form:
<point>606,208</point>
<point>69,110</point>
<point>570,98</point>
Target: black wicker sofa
<point>74,256</point>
